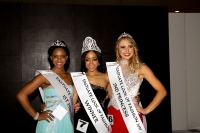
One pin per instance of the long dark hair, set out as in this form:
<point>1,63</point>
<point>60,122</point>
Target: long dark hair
<point>83,68</point>
<point>65,48</point>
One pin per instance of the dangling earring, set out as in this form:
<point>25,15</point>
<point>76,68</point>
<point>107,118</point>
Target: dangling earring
<point>98,64</point>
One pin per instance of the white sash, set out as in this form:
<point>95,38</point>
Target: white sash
<point>61,87</point>
<point>124,100</point>
<point>90,103</point>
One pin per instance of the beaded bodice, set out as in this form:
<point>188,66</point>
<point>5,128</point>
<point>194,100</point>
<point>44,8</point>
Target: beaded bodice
<point>52,98</point>
<point>133,84</point>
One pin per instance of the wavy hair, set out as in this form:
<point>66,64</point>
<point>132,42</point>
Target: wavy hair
<point>134,62</point>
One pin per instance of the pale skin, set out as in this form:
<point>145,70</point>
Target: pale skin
<point>58,58</point>
<point>125,49</point>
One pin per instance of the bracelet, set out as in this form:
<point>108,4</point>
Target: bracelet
<point>36,116</point>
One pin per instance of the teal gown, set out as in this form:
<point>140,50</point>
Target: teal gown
<point>52,100</point>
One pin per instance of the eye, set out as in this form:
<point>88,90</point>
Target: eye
<point>86,59</point>
<point>63,56</point>
<point>54,56</point>
<point>130,46</point>
<point>122,46</point>
<point>95,59</point>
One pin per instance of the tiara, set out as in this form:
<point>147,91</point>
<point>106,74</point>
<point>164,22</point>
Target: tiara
<point>58,43</point>
<point>124,35</point>
<point>90,44</point>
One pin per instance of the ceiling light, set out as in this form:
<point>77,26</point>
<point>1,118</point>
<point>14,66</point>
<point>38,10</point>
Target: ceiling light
<point>176,11</point>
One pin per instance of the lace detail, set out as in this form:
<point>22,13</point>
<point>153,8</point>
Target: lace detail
<point>51,97</point>
<point>133,84</point>
<point>53,103</point>
<point>123,62</point>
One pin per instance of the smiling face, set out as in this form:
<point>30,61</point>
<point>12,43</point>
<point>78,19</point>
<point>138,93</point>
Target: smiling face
<point>125,49</point>
<point>59,57</point>
<point>91,61</point>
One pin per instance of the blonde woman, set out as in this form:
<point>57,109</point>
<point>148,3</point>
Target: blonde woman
<point>133,71</point>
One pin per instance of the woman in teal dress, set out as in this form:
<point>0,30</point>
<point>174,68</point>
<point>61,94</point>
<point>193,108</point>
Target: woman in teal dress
<point>52,100</point>
<point>59,63</point>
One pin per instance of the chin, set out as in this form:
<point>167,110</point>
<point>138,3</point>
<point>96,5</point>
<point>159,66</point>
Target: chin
<point>92,70</point>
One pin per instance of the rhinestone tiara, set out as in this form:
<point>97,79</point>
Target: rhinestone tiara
<point>90,44</point>
<point>58,43</point>
<point>124,35</point>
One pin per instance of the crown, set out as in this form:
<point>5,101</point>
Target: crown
<point>124,35</point>
<point>58,43</point>
<point>90,44</point>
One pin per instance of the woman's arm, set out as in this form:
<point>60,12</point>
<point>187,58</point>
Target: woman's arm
<point>75,99</point>
<point>108,87</point>
<point>147,73</point>
<point>75,96</point>
<point>29,88</point>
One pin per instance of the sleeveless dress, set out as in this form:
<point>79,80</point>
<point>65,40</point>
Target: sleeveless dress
<point>100,94</point>
<point>133,84</point>
<point>52,100</point>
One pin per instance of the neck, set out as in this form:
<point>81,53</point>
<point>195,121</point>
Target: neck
<point>123,62</point>
<point>58,71</point>
<point>89,73</point>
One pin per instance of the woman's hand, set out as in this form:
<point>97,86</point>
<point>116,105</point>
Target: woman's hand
<point>140,109</point>
<point>42,107</point>
<point>46,115</point>
<point>137,98</point>
<point>77,107</point>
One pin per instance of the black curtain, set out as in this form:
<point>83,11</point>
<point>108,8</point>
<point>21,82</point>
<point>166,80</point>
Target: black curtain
<point>27,30</point>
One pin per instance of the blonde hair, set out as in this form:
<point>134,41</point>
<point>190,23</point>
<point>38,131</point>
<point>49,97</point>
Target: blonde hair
<point>134,62</point>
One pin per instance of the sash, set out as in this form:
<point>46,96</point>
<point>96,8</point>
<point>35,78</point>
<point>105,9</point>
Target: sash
<point>124,100</point>
<point>61,87</point>
<point>90,103</point>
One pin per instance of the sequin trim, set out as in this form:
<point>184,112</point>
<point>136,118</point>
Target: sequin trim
<point>133,84</point>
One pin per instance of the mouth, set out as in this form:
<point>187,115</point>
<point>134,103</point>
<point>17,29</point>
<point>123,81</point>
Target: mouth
<point>59,64</point>
<point>91,67</point>
<point>127,54</point>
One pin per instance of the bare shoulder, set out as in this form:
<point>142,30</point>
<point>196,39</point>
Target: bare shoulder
<point>144,69</point>
<point>42,79</point>
<point>105,76</point>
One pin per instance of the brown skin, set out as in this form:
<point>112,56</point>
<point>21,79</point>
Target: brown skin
<point>59,58</point>
<point>94,76</point>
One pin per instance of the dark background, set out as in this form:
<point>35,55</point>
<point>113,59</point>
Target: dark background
<point>27,30</point>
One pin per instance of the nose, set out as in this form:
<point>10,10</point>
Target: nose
<point>91,62</point>
<point>126,49</point>
<point>60,58</point>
